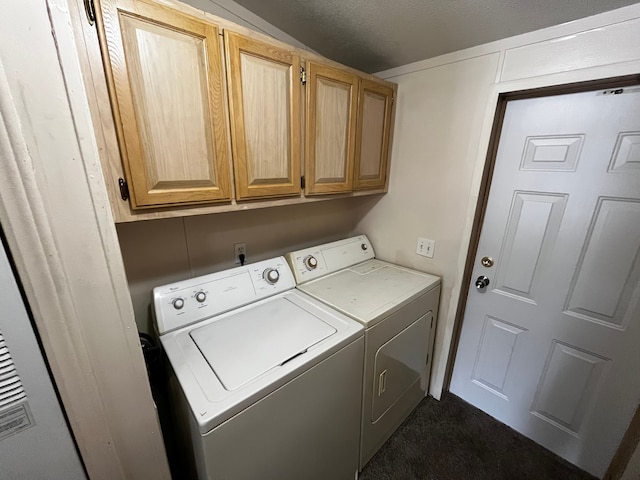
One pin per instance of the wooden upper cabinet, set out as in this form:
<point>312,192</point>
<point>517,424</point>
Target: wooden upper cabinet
<point>373,135</point>
<point>164,72</point>
<point>331,128</point>
<point>264,103</point>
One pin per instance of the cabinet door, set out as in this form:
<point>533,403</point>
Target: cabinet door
<point>165,76</point>
<point>373,132</point>
<point>264,101</point>
<point>331,127</point>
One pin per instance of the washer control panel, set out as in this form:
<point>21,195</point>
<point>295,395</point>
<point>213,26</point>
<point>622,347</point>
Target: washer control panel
<point>311,263</point>
<point>189,301</point>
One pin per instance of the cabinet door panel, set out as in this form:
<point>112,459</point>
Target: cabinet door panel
<point>331,122</point>
<point>265,117</point>
<point>165,78</point>
<point>372,141</point>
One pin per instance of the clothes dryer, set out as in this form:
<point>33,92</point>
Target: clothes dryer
<point>397,306</point>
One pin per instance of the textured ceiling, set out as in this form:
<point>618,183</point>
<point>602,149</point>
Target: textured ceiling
<point>374,35</point>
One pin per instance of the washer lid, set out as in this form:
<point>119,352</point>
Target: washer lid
<point>243,346</point>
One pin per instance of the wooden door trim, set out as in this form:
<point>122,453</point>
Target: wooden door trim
<point>630,442</point>
<point>483,197</point>
<point>481,206</point>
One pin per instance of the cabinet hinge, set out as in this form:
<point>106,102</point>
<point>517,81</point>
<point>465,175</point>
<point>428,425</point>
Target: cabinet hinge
<point>90,10</point>
<point>302,184</point>
<point>303,76</point>
<point>124,189</point>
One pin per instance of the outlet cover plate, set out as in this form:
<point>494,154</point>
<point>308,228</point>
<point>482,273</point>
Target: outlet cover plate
<point>239,248</point>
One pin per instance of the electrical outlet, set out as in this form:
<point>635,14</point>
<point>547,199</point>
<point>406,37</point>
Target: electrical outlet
<point>426,247</point>
<point>238,249</point>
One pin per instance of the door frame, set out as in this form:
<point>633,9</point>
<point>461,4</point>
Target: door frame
<point>632,438</point>
<point>56,217</point>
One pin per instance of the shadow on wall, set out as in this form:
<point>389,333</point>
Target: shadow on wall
<point>157,252</point>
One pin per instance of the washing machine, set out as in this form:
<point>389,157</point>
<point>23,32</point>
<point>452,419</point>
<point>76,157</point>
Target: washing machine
<point>397,306</point>
<point>266,378</point>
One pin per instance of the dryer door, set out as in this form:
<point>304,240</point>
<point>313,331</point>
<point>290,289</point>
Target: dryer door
<point>399,364</point>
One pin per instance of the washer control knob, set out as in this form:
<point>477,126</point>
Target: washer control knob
<point>271,275</point>
<point>201,297</point>
<point>178,303</point>
<point>311,262</point>
<point>364,247</point>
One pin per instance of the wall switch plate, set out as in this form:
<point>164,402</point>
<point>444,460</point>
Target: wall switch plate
<point>238,249</point>
<point>426,247</point>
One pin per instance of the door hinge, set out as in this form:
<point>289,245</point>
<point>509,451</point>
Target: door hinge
<point>302,183</point>
<point>90,10</point>
<point>303,76</point>
<point>124,189</point>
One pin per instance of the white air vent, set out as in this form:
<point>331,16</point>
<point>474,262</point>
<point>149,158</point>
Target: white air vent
<point>11,389</point>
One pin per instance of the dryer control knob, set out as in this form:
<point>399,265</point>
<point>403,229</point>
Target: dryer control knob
<point>201,297</point>
<point>178,303</point>
<point>364,246</point>
<point>311,262</point>
<point>271,275</point>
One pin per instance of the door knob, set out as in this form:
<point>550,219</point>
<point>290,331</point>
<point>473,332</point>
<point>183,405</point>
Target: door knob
<point>482,282</point>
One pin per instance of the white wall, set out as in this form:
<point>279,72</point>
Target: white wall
<point>444,117</point>
<point>157,252</point>
<point>438,119</point>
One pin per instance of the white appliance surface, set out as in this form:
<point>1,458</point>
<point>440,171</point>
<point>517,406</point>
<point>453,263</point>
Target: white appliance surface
<point>243,346</point>
<point>397,306</point>
<point>216,293</point>
<point>315,262</point>
<point>225,362</point>
<point>346,276</point>
<point>371,290</point>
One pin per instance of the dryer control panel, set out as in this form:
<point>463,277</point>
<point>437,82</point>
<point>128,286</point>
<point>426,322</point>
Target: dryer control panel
<point>189,301</point>
<point>315,262</point>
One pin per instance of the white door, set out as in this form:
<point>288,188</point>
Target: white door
<point>551,346</point>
